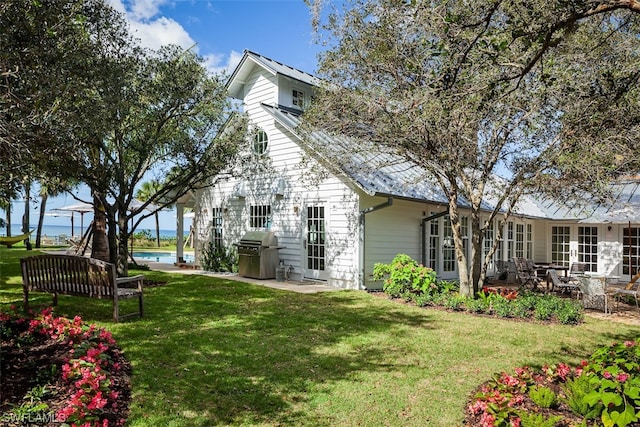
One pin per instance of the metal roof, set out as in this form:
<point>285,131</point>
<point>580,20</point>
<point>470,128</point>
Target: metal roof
<point>384,173</point>
<point>379,172</point>
<point>251,59</point>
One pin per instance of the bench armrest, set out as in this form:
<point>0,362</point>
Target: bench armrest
<point>130,282</point>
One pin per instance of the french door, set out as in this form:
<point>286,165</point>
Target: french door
<point>575,244</point>
<point>316,243</point>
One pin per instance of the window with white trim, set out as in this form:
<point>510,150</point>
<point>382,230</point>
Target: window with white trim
<point>510,240</point>
<point>260,216</point>
<point>297,97</point>
<point>216,228</point>
<point>434,244</point>
<point>520,240</point>
<point>260,142</point>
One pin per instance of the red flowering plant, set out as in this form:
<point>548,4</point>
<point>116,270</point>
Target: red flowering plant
<point>87,370</point>
<point>506,293</point>
<point>606,387</point>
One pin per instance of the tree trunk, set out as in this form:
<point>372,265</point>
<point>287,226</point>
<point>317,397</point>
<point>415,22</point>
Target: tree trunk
<point>478,269</point>
<point>43,206</point>
<point>157,229</point>
<point>113,240</point>
<point>8,221</point>
<point>470,270</point>
<point>100,246</point>
<point>123,240</point>
<point>25,217</point>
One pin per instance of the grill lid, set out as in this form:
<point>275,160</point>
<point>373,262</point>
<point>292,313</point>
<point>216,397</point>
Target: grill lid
<point>259,238</point>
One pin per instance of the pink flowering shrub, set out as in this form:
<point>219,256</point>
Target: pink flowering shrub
<point>604,388</point>
<point>87,370</point>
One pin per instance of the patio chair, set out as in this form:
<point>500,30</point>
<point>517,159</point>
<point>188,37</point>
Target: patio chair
<point>560,286</point>
<point>576,269</point>
<point>502,270</point>
<point>631,290</point>
<point>594,293</point>
<point>526,275</point>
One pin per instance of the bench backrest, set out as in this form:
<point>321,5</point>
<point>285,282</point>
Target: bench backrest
<point>69,274</point>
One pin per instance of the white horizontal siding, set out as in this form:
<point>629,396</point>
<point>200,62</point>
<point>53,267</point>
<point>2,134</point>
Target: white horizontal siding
<point>284,161</point>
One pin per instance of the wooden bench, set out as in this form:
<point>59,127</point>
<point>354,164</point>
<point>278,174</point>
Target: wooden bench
<point>79,276</point>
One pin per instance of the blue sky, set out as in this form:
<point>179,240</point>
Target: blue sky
<point>220,30</point>
<point>223,29</point>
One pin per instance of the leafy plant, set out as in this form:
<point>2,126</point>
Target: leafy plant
<point>538,420</point>
<point>544,308</point>
<point>502,307</point>
<point>543,396</point>
<point>423,300</point>
<point>453,301</point>
<point>569,311</point>
<point>614,373</point>
<point>478,305</point>
<point>404,274</point>
<point>574,391</point>
<point>218,259</point>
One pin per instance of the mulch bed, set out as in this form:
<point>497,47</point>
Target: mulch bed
<point>38,360</point>
<point>27,363</point>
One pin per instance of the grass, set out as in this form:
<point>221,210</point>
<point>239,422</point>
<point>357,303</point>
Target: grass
<point>218,352</point>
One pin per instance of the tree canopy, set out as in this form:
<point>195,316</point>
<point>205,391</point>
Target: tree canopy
<point>81,101</point>
<point>493,99</point>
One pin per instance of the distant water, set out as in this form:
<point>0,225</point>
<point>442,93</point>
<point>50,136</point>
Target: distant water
<point>59,230</point>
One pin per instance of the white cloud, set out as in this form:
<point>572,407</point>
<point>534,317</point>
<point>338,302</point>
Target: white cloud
<point>146,9</point>
<point>216,63</point>
<point>160,32</point>
<point>155,30</point>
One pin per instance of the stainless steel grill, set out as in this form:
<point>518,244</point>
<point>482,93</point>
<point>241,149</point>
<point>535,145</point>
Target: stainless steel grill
<point>258,255</point>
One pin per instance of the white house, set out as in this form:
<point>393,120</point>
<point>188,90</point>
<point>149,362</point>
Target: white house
<point>335,218</point>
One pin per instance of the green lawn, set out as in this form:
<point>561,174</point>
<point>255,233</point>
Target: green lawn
<point>218,352</point>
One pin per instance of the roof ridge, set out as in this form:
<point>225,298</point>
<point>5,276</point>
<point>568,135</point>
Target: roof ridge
<point>249,51</point>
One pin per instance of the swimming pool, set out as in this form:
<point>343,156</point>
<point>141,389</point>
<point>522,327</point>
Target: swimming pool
<point>164,257</point>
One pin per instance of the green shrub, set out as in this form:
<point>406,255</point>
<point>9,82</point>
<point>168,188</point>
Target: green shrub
<point>423,300</point>
<point>453,301</point>
<point>528,300</point>
<point>538,420</point>
<point>569,311</point>
<point>502,307</point>
<point>545,308</point>
<point>615,378</point>
<point>478,305</point>
<point>218,259</point>
<point>404,274</point>
<point>543,396</point>
<point>447,286</point>
<point>519,310</point>
<point>575,390</point>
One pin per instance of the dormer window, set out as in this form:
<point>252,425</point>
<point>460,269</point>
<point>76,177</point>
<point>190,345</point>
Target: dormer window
<point>298,98</point>
<point>260,142</point>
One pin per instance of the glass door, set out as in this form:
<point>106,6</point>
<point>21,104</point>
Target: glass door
<point>588,248</point>
<point>315,243</point>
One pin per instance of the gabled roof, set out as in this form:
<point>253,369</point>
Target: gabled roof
<point>250,60</point>
<point>386,174</point>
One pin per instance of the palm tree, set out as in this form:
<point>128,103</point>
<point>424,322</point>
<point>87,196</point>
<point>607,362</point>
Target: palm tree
<point>145,193</point>
<point>48,187</point>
